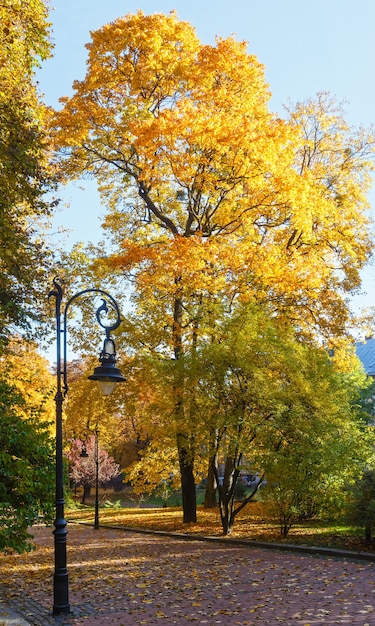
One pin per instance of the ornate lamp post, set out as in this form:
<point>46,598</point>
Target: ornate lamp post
<point>107,376</point>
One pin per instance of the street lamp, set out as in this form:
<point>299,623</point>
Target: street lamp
<point>107,376</point>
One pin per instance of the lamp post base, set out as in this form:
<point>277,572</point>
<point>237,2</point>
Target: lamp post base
<point>61,603</point>
<point>60,577</point>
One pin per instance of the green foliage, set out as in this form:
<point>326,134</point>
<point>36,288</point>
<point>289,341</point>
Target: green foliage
<point>367,401</point>
<point>26,472</point>
<point>283,407</point>
<point>164,491</point>
<point>240,491</point>
<point>108,504</point>
<point>318,444</point>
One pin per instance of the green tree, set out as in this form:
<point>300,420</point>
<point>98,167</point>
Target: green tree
<point>241,379</point>
<point>283,408</point>
<point>26,471</point>
<point>320,443</point>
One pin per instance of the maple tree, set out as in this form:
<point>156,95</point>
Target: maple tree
<point>123,428</point>
<point>157,469</point>
<point>86,408</point>
<point>150,401</point>
<point>25,174</point>
<point>213,200</point>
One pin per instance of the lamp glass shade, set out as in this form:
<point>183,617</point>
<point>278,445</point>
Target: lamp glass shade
<point>84,454</point>
<point>109,347</point>
<point>106,386</point>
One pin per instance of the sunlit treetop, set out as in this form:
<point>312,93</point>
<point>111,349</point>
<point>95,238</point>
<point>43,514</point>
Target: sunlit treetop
<point>185,150</point>
<point>181,121</point>
<point>23,36</point>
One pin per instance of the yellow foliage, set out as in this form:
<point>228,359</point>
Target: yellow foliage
<point>208,192</point>
<point>23,43</point>
<point>29,374</point>
<point>159,465</point>
<point>156,466</point>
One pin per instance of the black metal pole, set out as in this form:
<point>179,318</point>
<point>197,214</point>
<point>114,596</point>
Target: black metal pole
<point>96,521</point>
<point>60,578</point>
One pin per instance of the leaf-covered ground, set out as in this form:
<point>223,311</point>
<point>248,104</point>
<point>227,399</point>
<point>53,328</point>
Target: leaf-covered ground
<point>253,523</point>
<point>126,578</point>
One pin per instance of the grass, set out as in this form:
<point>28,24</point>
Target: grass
<point>254,523</point>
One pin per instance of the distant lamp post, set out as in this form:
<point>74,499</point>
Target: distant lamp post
<point>84,455</point>
<point>107,376</point>
<point>96,518</point>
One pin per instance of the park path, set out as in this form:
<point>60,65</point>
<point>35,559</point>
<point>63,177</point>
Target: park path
<point>131,579</point>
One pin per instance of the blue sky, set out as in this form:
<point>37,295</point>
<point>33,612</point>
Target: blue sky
<point>306,47</point>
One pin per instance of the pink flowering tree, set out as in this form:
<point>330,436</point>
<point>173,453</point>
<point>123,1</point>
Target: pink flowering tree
<point>82,469</point>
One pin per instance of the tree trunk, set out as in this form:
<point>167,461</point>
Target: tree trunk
<point>227,493</point>
<point>368,533</point>
<point>186,461</point>
<point>86,493</point>
<point>226,505</point>
<point>185,441</point>
<point>210,501</point>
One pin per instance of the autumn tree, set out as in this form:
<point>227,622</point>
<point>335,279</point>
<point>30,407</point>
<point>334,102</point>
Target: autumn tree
<point>30,374</point>
<point>120,417</point>
<point>212,200</point>
<point>156,471</point>
<point>86,408</point>
<point>24,172</point>
<point>273,405</point>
